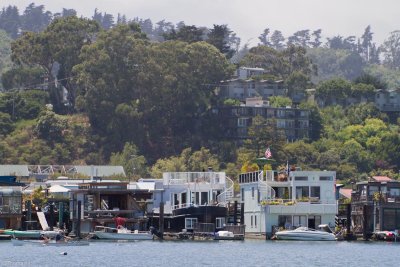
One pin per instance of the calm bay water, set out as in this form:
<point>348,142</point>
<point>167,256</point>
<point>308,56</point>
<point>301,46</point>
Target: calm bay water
<point>205,253</point>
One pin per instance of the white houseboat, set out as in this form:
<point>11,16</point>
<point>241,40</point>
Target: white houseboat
<point>275,200</point>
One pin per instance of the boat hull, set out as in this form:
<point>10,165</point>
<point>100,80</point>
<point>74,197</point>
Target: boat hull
<point>17,242</point>
<point>124,236</point>
<point>304,236</point>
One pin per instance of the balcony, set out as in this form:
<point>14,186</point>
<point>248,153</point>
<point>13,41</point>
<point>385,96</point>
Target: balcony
<point>382,198</point>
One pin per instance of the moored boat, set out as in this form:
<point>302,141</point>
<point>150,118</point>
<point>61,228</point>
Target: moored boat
<point>305,234</point>
<point>120,233</point>
<point>18,242</point>
<point>30,234</point>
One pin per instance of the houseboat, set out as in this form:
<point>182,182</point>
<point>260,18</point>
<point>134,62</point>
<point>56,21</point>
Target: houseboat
<point>274,201</point>
<point>191,202</point>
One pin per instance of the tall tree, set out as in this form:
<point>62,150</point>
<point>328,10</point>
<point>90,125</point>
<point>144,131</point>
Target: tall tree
<point>10,20</point>
<point>317,38</point>
<point>391,50</point>
<point>366,43</point>
<point>264,38</point>
<point>219,37</point>
<point>277,40</point>
<point>35,18</point>
<point>189,34</point>
<point>299,38</point>
<point>59,44</point>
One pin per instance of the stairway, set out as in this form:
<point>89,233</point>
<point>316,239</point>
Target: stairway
<point>266,191</point>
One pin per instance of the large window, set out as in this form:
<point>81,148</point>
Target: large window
<point>190,223</point>
<point>219,222</point>
<point>315,191</point>
<point>285,221</point>
<point>299,220</point>
<point>252,192</point>
<point>302,192</point>
<point>242,194</point>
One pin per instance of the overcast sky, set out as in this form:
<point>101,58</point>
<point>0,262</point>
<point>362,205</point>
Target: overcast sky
<point>248,18</point>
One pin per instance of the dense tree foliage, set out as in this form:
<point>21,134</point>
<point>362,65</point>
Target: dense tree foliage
<point>147,93</point>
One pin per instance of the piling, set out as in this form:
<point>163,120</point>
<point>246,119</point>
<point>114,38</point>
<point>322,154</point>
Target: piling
<point>235,213</point>
<point>61,215</point>
<point>161,222</point>
<point>242,213</point>
<point>78,222</point>
<point>365,222</point>
<point>51,214</point>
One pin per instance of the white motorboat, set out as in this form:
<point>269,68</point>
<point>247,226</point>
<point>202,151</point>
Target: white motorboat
<point>306,234</point>
<point>121,233</point>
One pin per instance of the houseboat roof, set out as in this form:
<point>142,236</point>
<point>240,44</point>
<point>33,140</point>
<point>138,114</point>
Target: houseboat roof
<point>381,179</point>
<point>14,170</point>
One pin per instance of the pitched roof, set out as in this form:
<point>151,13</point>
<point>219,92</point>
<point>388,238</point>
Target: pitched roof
<point>346,192</point>
<point>381,179</point>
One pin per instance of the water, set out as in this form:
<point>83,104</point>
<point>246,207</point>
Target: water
<point>205,253</point>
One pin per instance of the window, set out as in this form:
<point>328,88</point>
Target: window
<point>255,220</point>
<point>252,192</point>
<point>220,222</point>
<point>190,223</point>
<point>302,192</point>
<point>394,192</point>
<point>301,178</point>
<point>326,178</point>
<point>300,220</point>
<point>284,220</point>
<point>251,220</point>
<point>242,194</point>
<point>373,189</point>
<point>315,191</point>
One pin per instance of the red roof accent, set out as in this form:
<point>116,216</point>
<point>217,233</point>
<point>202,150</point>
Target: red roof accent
<point>345,192</point>
<point>381,178</point>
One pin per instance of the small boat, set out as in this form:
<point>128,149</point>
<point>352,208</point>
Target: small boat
<point>227,235</point>
<point>120,233</point>
<point>18,242</point>
<point>30,234</point>
<point>306,234</point>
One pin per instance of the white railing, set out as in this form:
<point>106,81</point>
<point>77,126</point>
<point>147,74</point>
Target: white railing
<point>227,194</point>
<point>266,191</point>
<point>173,178</point>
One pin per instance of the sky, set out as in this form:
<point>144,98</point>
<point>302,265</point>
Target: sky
<point>248,18</point>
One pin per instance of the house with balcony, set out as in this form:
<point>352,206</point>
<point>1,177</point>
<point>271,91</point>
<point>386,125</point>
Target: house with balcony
<point>274,200</point>
<point>388,100</point>
<point>98,202</point>
<point>187,199</point>
<point>375,206</point>
<point>294,122</point>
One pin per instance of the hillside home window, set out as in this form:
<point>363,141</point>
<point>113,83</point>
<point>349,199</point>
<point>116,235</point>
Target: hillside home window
<point>394,192</point>
<point>242,122</point>
<point>190,223</point>
<point>219,222</point>
<point>373,189</point>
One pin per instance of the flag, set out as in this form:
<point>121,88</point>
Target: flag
<point>268,153</point>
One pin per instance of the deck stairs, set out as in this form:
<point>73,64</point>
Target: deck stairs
<point>266,191</point>
<point>227,195</point>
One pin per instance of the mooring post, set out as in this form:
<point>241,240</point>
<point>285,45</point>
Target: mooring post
<point>365,222</point>
<point>242,213</point>
<point>61,215</point>
<point>235,210</point>
<point>78,222</point>
<point>51,214</point>
<point>161,223</point>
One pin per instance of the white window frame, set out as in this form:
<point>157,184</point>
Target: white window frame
<point>219,222</point>
<point>190,223</point>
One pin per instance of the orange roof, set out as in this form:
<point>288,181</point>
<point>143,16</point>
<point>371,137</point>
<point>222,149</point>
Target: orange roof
<point>381,178</point>
<point>345,192</point>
